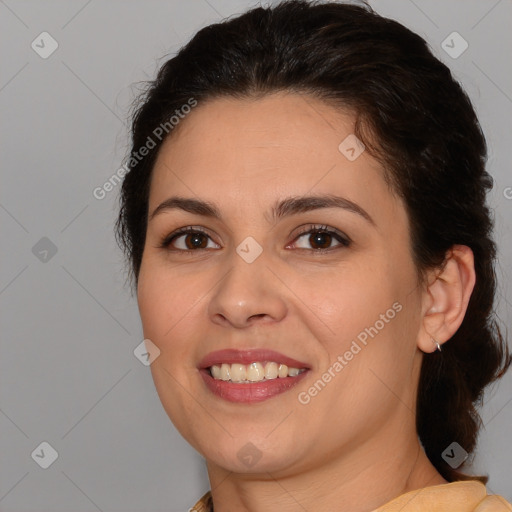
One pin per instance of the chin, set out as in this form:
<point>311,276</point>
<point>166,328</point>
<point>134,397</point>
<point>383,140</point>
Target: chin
<point>252,455</point>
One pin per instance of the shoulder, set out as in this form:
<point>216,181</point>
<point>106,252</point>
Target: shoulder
<point>204,504</point>
<point>493,503</point>
<point>467,496</point>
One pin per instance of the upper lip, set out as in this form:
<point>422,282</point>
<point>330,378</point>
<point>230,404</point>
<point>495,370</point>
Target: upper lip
<point>231,356</point>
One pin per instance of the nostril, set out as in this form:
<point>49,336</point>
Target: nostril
<point>257,316</point>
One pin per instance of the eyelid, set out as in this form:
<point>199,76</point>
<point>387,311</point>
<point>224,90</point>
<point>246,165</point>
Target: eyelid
<point>167,240</point>
<point>342,238</point>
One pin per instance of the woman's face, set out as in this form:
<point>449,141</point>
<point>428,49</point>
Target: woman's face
<point>251,277</point>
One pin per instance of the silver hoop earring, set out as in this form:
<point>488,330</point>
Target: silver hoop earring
<point>436,343</point>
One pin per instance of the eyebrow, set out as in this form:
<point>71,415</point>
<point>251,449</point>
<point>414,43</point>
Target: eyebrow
<point>286,207</point>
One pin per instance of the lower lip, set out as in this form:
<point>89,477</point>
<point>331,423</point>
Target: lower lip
<point>250,393</point>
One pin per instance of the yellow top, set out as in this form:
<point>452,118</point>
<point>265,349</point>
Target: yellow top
<point>468,496</point>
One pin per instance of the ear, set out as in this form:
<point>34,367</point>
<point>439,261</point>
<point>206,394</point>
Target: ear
<point>446,297</point>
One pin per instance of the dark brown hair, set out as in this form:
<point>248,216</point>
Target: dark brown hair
<point>412,116</point>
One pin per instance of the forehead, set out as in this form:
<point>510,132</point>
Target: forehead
<point>266,148</point>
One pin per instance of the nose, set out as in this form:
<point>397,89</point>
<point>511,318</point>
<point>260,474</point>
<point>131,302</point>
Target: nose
<point>248,293</point>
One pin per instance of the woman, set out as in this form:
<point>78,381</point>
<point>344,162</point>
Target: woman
<point>307,232</point>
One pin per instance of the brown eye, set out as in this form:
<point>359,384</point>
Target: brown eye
<point>321,238</point>
<point>195,241</point>
<point>188,239</point>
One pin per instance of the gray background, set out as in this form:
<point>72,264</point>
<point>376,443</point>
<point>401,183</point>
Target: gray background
<point>68,375</point>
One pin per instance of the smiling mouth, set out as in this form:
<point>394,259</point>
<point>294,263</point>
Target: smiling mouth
<point>253,372</point>
<point>250,376</point>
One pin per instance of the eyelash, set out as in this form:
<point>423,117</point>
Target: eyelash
<point>343,239</point>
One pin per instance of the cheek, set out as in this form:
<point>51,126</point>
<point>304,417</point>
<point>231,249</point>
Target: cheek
<point>366,314</point>
<point>166,305</point>
<point>347,299</point>
<point>165,302</point>
<point>153,305</point>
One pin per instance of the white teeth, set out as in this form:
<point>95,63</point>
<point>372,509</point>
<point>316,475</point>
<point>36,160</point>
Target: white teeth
<point>238,372</point>
<point>271,371</point>
<point>225,373</point>
<point>254,372</point>
<point>215,370</point>
<point>283,370</point>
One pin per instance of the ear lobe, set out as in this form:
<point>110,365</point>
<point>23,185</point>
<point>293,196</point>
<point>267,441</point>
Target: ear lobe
<point>446,298</point>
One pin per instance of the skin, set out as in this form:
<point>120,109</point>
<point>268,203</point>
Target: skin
<point>353,446</point>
